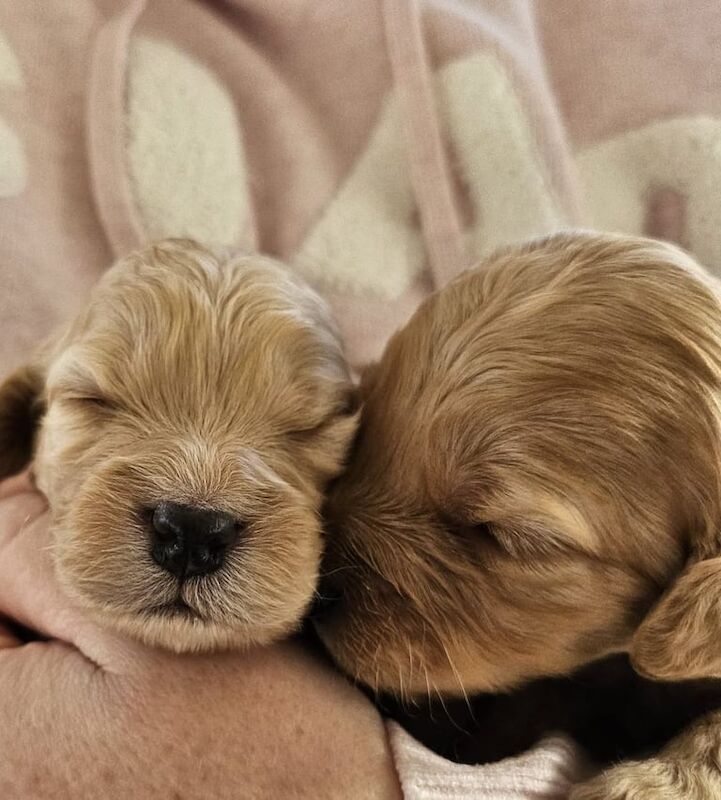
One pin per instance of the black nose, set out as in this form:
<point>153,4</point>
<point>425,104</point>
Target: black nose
<point>189,541</point>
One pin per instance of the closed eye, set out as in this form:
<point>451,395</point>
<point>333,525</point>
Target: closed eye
<point>313,428</point>
<point>73,381</point>
<point>461,526</point>
<point>347,406</point>
<point>470,533</point>
<point>97,402</point>
<point>516,540</point>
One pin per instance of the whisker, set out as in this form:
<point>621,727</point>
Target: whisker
<point>400,682</point>
<point>345,567</point>
<point>425,673</point>
<point>428,693</point>
<point>318,596</point>
<point>448,714</point>
<point>460,682</point>
<point>410,663</point>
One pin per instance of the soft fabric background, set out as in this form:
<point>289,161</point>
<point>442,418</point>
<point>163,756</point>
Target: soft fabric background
<point>378,146</point>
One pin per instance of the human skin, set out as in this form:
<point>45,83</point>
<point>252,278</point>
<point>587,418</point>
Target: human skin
<point>87,714</point>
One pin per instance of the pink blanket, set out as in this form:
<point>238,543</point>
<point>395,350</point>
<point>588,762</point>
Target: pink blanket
<point>379,146</point>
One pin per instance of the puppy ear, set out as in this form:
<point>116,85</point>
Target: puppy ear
<point>339,433</point>
<point>681,636</point>
<point>21,407</point>
<point>327,448</point>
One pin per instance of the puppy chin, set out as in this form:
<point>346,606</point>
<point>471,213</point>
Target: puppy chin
<point>379,668</point>
<point>175,625</point>
<point>171,622</point>
<point>341,649</point>
<point>365,649</point>
<point>184,632</point>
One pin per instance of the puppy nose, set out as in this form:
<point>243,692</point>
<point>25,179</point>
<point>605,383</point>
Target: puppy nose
<point>188,541</point>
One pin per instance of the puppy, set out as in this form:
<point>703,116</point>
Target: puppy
<point>183,429</point>
<point>536,484</point>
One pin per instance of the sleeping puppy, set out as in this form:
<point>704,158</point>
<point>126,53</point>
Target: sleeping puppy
<point>536,484</point>
<point>183,429</point>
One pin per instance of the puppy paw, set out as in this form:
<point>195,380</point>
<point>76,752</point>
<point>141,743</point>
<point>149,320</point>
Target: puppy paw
<point>654,779</point>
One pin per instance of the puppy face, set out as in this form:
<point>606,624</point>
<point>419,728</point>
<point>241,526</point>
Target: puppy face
<point>190,419</point>
<point>538,455</point>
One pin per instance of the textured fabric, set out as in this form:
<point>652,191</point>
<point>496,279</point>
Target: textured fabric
<point>547,771</point>
<point>321,132</point>
<point>378,146</point>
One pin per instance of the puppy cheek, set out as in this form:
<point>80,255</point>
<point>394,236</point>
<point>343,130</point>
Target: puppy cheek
<point>363,636</point>
<point>62,456</point>
<point>269,581</point>
<point>393,667</point>
<point>101,550</point>
<point>46,468</point>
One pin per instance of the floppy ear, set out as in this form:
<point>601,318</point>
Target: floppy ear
<point>337,434</point>
<point>681,636</point>
<point>21,407</point>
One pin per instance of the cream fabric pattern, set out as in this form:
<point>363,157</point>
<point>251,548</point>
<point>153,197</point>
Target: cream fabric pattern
<point>683,155</point>
<point>13,164</point>
<point>368,240</point>
<point>10,73</point>
<point>185,153</point>
<point>509,184</point>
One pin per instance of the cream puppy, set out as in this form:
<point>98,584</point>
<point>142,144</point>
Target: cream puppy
<point>183,429</point>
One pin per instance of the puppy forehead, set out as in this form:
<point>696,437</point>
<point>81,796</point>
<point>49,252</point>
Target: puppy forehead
<point>238,291</point>
<point>536,359</point>
<point>210,310</point>
<point>233,339</point>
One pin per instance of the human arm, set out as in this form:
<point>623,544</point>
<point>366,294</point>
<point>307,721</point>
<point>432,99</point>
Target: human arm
<point>88,714</point>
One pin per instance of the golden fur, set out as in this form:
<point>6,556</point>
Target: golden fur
<point>198,379</point>
<point>536,483</point>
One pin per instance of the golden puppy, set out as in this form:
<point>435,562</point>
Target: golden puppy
<point>184,427</point>
<point>536,483</point>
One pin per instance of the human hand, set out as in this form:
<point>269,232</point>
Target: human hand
<point>87,714</point>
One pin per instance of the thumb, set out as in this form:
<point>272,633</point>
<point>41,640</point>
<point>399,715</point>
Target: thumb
<point>29,591</point>
<point>17,484</point>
